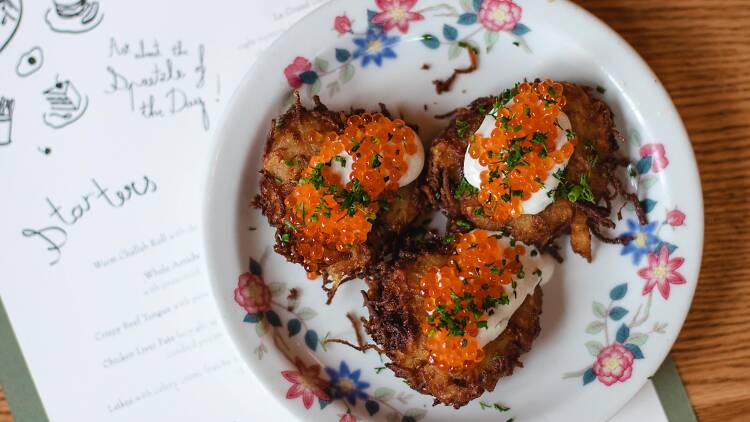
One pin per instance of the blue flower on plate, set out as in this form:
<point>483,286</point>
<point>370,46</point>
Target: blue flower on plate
<point>375,46</point>
<point>644,240</point>
<point>346,384</point>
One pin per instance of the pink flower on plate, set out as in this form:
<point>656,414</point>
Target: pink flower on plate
<point>305,383</point>
<point>292,72</point>
<point>614,364</point>
<point>396,14</point>
<point>252,294</point>
<point>676,218</point>
<point>661,272</point>
<point>347,417</point>
<point>342,24</point>
<point>658,156</point>
<point>499,15</point>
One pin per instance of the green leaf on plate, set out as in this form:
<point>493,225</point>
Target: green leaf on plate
<point>372,407</point>
<point>635,350</point>
<point>454,51</point>
<point>342,55</point>
<point>618,292</point>
<point>595,327</point>
<point>594,347</point>
<point>588,376</point>
<point>467,19</point>
<point>255,267</point>
<point>311,339</point>
<point>276,288</point>
<point>639,339</point>
<point>416,414</point>
<point>288,101</point>
<point>346,73</point>
<point>431,41</point>
<point>617,313</point>
<point>384,394</point>
<point>648,205</point>
<point>450,32</point>
<point>520,30</point>
<point>634,137</point>
<point>314,89</point>
<point>293,326</point>
<point>309,77</point>
<point>644,165</point>
<point>273,318</point>
<point>648,182</point>
<point>307,313</point>
<point>490,38</point>
<point>262,328</point>
<point>321,64</point>
<point>599,310</point>
<point>622,333</point>
<point>333,88</point>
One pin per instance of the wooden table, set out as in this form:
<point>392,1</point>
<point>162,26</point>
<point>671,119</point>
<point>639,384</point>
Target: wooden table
<point>701,51</point>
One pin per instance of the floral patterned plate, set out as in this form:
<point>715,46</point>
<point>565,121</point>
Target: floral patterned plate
<point>606,326</point>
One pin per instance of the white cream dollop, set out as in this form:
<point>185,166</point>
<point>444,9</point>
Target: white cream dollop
<point>415,163</point>
<point>538,270</point>
<point>540,199</point>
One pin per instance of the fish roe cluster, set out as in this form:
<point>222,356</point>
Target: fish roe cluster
<point>379,147</point>
<point>521,151</point>
<point>322,229</point>
<point>327,216</point>
<point>457,297</point>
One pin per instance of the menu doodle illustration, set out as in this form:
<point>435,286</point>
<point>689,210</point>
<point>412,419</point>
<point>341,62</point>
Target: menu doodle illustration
<point>73,16</point>
<point>10,18</point>
<point>65,104</point>
<point>30,62</point>
<point>6,120</point>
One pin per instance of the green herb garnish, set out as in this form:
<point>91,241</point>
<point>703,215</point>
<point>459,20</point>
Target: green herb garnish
<point>461,127</point>
<point>463,188</point>
<point>447,240</point>
<point>463,224</point>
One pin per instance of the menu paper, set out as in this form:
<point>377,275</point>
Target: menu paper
<point>104,123</point>
<point>106,115</point>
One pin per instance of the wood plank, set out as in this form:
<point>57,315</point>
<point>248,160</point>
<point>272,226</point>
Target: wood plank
<point>701,52</point>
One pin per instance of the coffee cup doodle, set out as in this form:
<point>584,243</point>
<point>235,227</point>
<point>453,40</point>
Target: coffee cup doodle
<point>73,16</point>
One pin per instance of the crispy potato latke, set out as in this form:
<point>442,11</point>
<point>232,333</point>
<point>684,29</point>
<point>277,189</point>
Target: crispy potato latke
<point>596,156</point>
<point>393,300</point>
<point>287,154</point>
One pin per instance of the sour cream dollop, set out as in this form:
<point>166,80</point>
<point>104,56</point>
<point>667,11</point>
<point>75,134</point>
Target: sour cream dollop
<point>540,199</point>
<point>538,270</point>
<point>469,300</point>
<point>415,163</point>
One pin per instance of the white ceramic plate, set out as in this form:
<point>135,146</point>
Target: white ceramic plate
<point>605,328</point>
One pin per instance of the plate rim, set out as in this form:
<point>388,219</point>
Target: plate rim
<point>218,143</point>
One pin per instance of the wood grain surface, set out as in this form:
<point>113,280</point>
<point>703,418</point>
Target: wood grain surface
<point>701,51</point>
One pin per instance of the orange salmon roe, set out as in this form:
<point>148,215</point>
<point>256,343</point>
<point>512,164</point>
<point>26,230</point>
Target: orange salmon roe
<point>327,217</point>
<point>457,296</point>
<point>521,151</point>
